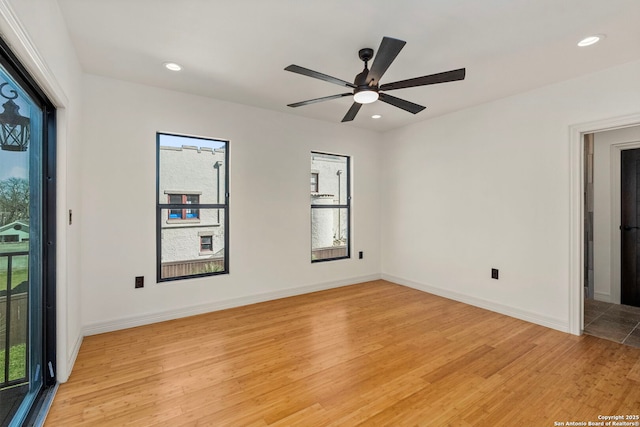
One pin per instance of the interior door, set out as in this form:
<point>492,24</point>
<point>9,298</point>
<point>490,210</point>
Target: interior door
<point>630,227</point>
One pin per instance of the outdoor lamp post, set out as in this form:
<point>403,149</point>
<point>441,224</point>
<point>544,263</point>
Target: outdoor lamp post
<point>15,130</point>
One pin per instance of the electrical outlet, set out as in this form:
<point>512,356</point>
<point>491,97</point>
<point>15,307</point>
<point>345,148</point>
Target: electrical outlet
<point>139,282</point>
<point>360,255</point>
<point>494,273</point>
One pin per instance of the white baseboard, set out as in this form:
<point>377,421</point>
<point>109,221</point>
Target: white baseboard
<point>146,319</point>
<point>549,322</point>
<point>599,296</point>
<point>71,360</point>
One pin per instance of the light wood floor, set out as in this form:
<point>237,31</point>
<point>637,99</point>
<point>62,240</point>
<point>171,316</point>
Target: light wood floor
<point>370,354</point>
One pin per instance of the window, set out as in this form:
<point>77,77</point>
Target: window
<point>184,199</point>
<point>206,244</point>
<point>192,207</point>
<point>330,207</point>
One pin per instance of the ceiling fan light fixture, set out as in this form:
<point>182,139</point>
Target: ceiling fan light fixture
<point>376,116</point>
<point>365,96</point>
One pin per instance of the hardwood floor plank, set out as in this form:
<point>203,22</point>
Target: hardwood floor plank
<point>368,354</point>
<point>634,373</point>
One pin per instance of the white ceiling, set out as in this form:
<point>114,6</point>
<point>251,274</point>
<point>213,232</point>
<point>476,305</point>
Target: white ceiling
<point>237,50</point>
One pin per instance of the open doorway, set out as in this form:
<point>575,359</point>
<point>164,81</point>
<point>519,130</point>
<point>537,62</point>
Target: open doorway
<point>612,235</point>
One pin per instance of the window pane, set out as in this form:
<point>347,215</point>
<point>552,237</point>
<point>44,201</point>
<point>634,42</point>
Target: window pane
<point>206,243</point>
<point>191,169</point>
<point>192,213</point>
<point>23,273</point>
<point>329,233</point>
<point>189,249</point>
<point>331,177</point>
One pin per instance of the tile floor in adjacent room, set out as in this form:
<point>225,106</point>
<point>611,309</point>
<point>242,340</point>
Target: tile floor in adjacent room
<point>615,322</point>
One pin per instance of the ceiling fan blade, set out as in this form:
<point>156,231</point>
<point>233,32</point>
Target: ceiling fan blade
<point>313,101</point>
<point>447,76</point>
<point>351,114</point>
<point>387,52</point>
<point>317,75</point>
<point>401,103</point>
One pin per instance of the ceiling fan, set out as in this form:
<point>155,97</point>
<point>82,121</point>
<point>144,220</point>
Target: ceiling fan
<point>366,86</point>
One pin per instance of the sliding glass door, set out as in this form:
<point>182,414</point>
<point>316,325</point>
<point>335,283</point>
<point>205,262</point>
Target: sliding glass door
<point>26,243</point>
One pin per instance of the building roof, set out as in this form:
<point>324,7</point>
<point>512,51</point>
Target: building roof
<point>14,226</point>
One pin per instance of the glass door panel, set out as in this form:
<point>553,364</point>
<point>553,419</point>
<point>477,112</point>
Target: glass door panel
<point>21,324</point>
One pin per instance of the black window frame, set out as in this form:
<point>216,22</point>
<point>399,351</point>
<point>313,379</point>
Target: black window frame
<point>346,206</point>
<point>184,206</point>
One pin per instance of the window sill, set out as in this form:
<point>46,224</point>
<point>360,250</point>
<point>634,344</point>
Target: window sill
<point>183,221</point>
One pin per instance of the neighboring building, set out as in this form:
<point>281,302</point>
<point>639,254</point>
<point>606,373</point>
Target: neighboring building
<point>329,227</point>
<point>14,238</point>
<point>15,232</point>
<point>192,175</point>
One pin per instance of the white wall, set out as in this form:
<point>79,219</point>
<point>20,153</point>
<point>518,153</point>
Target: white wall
<point>37,34</point>
<point>269,203</point>
<point>480,188</point>
<point>490,187</point>
<point>606,212</point>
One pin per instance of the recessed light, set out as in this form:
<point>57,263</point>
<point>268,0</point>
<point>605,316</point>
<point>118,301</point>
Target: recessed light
<point>588,41</point>
<point>376,116</point>
<point>172,66</point>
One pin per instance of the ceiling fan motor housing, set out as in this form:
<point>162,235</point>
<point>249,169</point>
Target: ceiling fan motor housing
<point>361,79</point>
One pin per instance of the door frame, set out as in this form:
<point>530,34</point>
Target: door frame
<point>616,200</point>
<point>576,210</point>
<point>68,336</point>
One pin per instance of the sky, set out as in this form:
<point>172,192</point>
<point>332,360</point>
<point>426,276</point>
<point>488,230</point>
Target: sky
<point>14,164</point>
<point>179,141</point>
